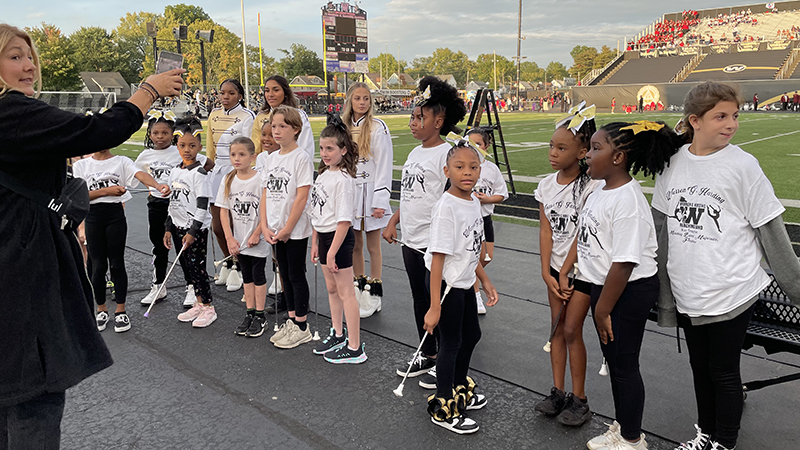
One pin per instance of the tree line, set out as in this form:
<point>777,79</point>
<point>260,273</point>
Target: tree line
<point>128,49</point>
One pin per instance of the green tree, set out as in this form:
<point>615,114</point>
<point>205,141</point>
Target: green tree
<point>95,51</point>
<point>183,14</point>
<point>420,67</point>
<point>132,42</point>
<point>530,71</point>
<point>55,58</point>
<point>299,60</point>
<point>583,58</point>
<point>484,68</point>
<point>604,57</point>
<point>556,71</point>
<point>385,62</point>
<point>447,62</point>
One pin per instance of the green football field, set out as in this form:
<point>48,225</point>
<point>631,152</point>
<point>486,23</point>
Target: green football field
<point>770,137</point>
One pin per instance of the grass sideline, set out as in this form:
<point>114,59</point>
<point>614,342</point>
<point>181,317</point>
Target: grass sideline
<point>770,137</point>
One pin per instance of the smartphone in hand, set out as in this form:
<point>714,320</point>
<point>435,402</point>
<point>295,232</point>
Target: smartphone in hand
<point>168,61</point>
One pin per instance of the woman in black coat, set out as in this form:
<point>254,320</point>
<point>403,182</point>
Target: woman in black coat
<point>49,339</point>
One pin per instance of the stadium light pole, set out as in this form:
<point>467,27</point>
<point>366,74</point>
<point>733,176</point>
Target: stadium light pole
<point>519,44</point>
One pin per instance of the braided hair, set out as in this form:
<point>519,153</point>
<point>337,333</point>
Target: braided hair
<point>148,142</point>
<point>338,130</point>
<point>239,88</point>
<point>584,135</point>
<point>190,125</point>
<point>444,100</point>
<point>647,151</point>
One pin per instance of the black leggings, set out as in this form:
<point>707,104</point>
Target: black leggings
<point>628,319</point>
<point>714,354</point>
<point>193,261</point>
<point>156,218</point>
<point>459,332</point>
<point>291,257</point>
<point>106,231</point>
<point>419,279</point>
<point>253,269</point>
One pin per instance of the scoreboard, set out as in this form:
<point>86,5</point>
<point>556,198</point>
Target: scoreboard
<point>345,28</point>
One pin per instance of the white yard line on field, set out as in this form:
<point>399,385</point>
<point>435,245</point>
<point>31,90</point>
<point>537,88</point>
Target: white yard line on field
<point>770,137</point>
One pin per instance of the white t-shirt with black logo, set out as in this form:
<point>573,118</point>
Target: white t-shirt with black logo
<point>159,163</point>
<point>115,171</point>
<point>557,206</point>
<point>457,231</point>
<point>331,200</point>
<point>282,176</point>
<point>616,225</point>
<point>187,184</point>
<point>421,187</point>
<point>713,204</point>
<point>243,201</point>
<point>491,182</point>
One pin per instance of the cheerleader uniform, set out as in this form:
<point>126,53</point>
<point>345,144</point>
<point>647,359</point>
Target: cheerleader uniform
<point>373,182</point>
<point>106,227</point>
<point>223,127</point>
<point>159,164</point>
<point>305,140</point>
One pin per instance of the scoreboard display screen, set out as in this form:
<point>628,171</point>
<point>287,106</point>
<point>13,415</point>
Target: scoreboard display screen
<point>345,28</point>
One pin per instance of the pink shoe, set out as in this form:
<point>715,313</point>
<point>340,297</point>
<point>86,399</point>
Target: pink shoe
<point>190,315</point>
<point>206,317</point>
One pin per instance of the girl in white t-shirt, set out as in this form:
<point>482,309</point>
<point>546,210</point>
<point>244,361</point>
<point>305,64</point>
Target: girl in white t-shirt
<point>616,252</point>
<point>373,186</point>
<point>239,198</point>
<point>108,178</point>
<point>188,222</point>
<point>331,210</point>
<point>456,234</point>
<point>287,179</point>
<point>490,189</point>
<point>561,196</point>
<point>436,113</point>
<point>158,159</point>
<point>710,205</point>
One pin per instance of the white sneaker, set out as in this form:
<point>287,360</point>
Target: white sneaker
<point>151,296</point>
<point>275,288</point>
<point>623,444</point>
<point>481,306</point>
<point>294,337</point>
<point>282,331</point>
<point>606,438</point>
<point>223,275</point>
<point>365,308</point>
<point>191,297</point>
<point>234,281</point>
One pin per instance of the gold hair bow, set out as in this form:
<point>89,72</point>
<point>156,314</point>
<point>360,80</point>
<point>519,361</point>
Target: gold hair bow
<point>681,127</point>
<point>458,140</point>
<point>422,99</point>
<point>577,116</point>
<point>195,133</point>
<point>643,125</point>
<point>155,114</point>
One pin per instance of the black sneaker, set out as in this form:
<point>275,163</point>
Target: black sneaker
<point>576,411</point>
<point>281,303</point>
<point>257,325</point>
<point>331,343</point>
<point>443,413</point>
<point>428,380</point>
<point>419,366</point>
<point>241,330</point>
<point>122,322</point>
<point>102,320</point>
<point>345,355</point>
<point>552,404</point>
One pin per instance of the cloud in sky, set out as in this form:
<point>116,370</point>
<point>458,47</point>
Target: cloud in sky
<point>551,27</point>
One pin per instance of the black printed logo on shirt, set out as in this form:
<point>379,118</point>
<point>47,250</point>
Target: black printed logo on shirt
<point>159,173</point>
<point>177,190</point>
<point>317,199</point>
<point>102,184</point>
<point>476,229</point>
<point>244,208</point>
<point>697,213</point>
<point>413,174</point>
<point>277,184</point>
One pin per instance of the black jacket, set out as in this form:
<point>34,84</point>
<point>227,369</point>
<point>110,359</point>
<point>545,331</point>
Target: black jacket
<point>48,338</point>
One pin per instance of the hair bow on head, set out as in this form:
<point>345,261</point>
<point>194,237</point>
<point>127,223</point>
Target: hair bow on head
<point>423,98</point>
<point>576,117</point>
<point>643,125</point>
<point>458,140</point>
<point>195,133</point>
<point>155,114</point>
<point>336,120</point>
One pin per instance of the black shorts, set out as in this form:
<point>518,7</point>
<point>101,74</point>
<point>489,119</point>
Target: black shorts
<point>253,269</point>
<point>344,257</point>
<point>488,229</point>
<point>584,287</point>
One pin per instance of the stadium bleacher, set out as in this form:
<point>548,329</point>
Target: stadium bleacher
<point>759,65</point>
<point>648,70</point>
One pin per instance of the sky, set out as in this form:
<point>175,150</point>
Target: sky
<point>408,28</point>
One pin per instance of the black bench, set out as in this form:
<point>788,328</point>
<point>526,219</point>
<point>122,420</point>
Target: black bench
<point>775,326</point>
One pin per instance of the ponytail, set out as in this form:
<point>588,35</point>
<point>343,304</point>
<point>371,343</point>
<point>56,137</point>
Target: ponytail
<point>648,146</point>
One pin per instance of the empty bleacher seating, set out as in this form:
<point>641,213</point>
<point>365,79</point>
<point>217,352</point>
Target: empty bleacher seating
<point>761,65</point>
<point>649,70</point>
